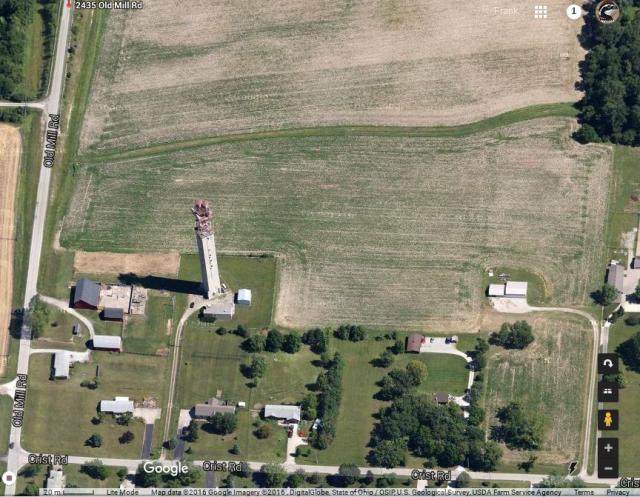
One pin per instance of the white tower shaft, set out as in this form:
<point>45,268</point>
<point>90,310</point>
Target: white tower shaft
<point>206,249</point>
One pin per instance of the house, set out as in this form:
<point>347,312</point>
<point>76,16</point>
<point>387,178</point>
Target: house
<point>496,290</point>
<point>441,398</point>
<point>86,294</point>
<point>516,289</point>
<point>107,342</point>
<point>222,310</point>
<point>61,364</point>
<point>113,314</point>
<point>120,405</point>
<point>211,407</point>
<point>56,479</point>
<point>615,276</point>
<point>244,296</point>
<point>414,343</point>
<point>288,414</point>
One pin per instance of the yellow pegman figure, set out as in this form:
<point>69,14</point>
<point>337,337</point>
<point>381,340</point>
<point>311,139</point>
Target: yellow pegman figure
<point>608,420</point>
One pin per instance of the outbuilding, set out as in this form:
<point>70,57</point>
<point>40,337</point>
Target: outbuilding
<point>414,343</point>
<point>61,365</point>
<point>516,289</point>
<point>223,310</point>
<point>120,405</point>
<point>441,398</point>
<point>211,407</point>
<point>244,296</point>
<point>107,342</point>
<point>56,479</point>
<point>286,413</point>
<point>615,276</point>
<point>113,314</point>
<point>496,290</point>
<point>86,294</point>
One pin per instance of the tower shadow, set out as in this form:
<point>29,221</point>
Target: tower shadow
<point>160,283</point>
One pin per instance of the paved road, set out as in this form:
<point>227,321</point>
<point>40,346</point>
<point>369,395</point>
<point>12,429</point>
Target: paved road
<point>50,105</point>
<point>148,438</point>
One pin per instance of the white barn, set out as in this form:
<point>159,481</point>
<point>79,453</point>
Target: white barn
<point>516,289</point>
<point>244,296</point>
<point>61,365</point>
<point>496,290</point>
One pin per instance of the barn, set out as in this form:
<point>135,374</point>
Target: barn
<point>86,294</point>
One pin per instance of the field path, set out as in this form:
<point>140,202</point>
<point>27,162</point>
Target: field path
<point>10,148</point>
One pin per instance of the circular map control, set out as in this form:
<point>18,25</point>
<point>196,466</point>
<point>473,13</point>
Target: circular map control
<point>607,11</point>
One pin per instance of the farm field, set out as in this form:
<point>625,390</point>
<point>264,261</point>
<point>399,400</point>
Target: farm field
<point>138,377</point>
<point>628,405</point>
<point>386,231</point>
<point>165,75</point>
<point>551,374</point>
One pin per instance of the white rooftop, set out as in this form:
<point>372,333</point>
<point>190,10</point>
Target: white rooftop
<point>107,342</point>
<point>282,412</point>
<point>496,290</point>
<point>244,295</point>
<point>61,364</point>
<point>516,288</point>
<point>56,479</point>
<point>120,405</point>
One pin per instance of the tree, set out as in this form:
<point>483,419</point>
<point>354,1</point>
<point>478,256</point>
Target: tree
<point>348,474</point>
<point>296,480</point>
<point>528,465</point>
<point>221,331</point>
<point>463,480</point>
<point>274,475</point>
<point>633,320</point>
<point>126,437</point>
<point>310,406</point>
<point>146,479</point>
<point>385,360</point>
<point>513,336</point>
<point>38,316</point>
<point>124,419</point>
<point>192,431</point>
<point>235,450</point>
<point>170,444</point>
<point>274,341</point>
<point>263,431</point>
<point>121,474</point>
<point>30,470</point>
<point>350,332</point>
<point>31,489</point>
<point>292,343</point>
<point>229,481</point>
<point>417,371</point>
<point>389,453</point>
<point>636,293</point>
<point>629,350</point>
<point>241,331</point>
<point>255,343</point>
<point>607,295</point>
<point>258,367</point>
<point>560,481</point>
<point>397,347</point>
<point>96,470</point>
<point>520,429</point>
<point>317,340</point>
<point>94,441</point>
<point>223,424</point>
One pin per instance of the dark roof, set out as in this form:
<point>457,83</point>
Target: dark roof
<point>414,342</point>
<point>615,276</point>
<point>441,397</point>
<point>113,313</point>
<point>87,291</point>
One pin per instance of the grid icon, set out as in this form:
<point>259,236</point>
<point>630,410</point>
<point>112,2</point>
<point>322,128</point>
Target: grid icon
<point>540,12</point>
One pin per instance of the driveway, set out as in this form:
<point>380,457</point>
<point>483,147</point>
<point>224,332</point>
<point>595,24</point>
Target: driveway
<point>64,306</point>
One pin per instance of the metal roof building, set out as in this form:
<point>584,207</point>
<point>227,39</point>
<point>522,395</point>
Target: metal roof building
<point>211,407</point>
<point>515,289</point>
<point>496,290</point>
<point>86,294</point>
<point>223,309</point>
<point>61,365</point>
<point>56,479</point>
<point>414,342</point>
<point>109,342</point>
<point>284,412</point>
<point>244,296</point>
<point>120,405</point>
<point>615,276</point>
<point>113,314</point>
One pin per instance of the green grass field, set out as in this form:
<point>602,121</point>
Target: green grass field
<point>6,404</point>
<point>138,377</point>
<point>550,374</point>
<point>58,332</point>
<point>151,333</point>
<point>628,405</point>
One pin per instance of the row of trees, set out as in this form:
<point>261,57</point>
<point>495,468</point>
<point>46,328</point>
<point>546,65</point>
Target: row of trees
<point>329,385</point>
<point>273,342</point>
<point>610,108</point>
<point>513,336</point>
<point>350,332</point>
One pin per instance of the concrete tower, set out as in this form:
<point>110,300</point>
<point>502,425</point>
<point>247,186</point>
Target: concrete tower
<point>206,249</point>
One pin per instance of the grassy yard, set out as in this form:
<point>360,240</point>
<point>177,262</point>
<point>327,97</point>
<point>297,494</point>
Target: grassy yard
<point>58,332</point>
<point>550,374</point>
<point>138,377</point>
<point>6,403</point>
<point>212,446</point>
<point>150,334</point>
<point>628,405</point>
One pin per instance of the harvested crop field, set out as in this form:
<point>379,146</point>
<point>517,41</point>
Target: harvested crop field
<point>550,374</point>
<point>10,150</point>
<point>113,263</point>
<point>167,73</point>
<point>379,230</point>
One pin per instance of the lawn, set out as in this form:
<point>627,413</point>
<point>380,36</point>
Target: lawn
<point>386,231</point>
<point>138,377</point>
<point>6,403</point>
<point>150,334</point>
<point>211,446</point>
<point>446,373</point>
<point>628,405</point>
<point>550,374</point>
<point>57,334</point>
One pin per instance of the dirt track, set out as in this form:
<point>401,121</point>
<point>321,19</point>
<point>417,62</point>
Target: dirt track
<point>10,147</point>
<point>140,264</point>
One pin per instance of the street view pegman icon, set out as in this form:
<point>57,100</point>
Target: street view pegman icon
<point>608,419</point>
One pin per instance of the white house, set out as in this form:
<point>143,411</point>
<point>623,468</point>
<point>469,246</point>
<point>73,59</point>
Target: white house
<point>290,414</point>
<point>244,296</point>
<point>61,365</point>
<point>120,405</point>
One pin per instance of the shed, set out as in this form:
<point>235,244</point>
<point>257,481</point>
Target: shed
<point>107,342</point>
<point>120,405</point>
<point>211,407</point>
<point>516,289</point>
<point>86,294</point>
<point>615,276</point>
<point>76,329</point>
<point>441,398</point>
<point>61,364</point>
<point>56,479</point>
<point>496,290</point>
<point>223,310</point>
<point>244,296</point>
<point>414,343</point>
<point>113,314</point>
<point>289,414</point>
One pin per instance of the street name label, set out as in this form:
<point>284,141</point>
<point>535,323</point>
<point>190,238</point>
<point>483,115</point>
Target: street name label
<point>51,140</point>
<point>114,5</point>
<point>19,399</point>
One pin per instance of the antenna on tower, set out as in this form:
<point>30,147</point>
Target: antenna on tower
<point>202,214</point>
